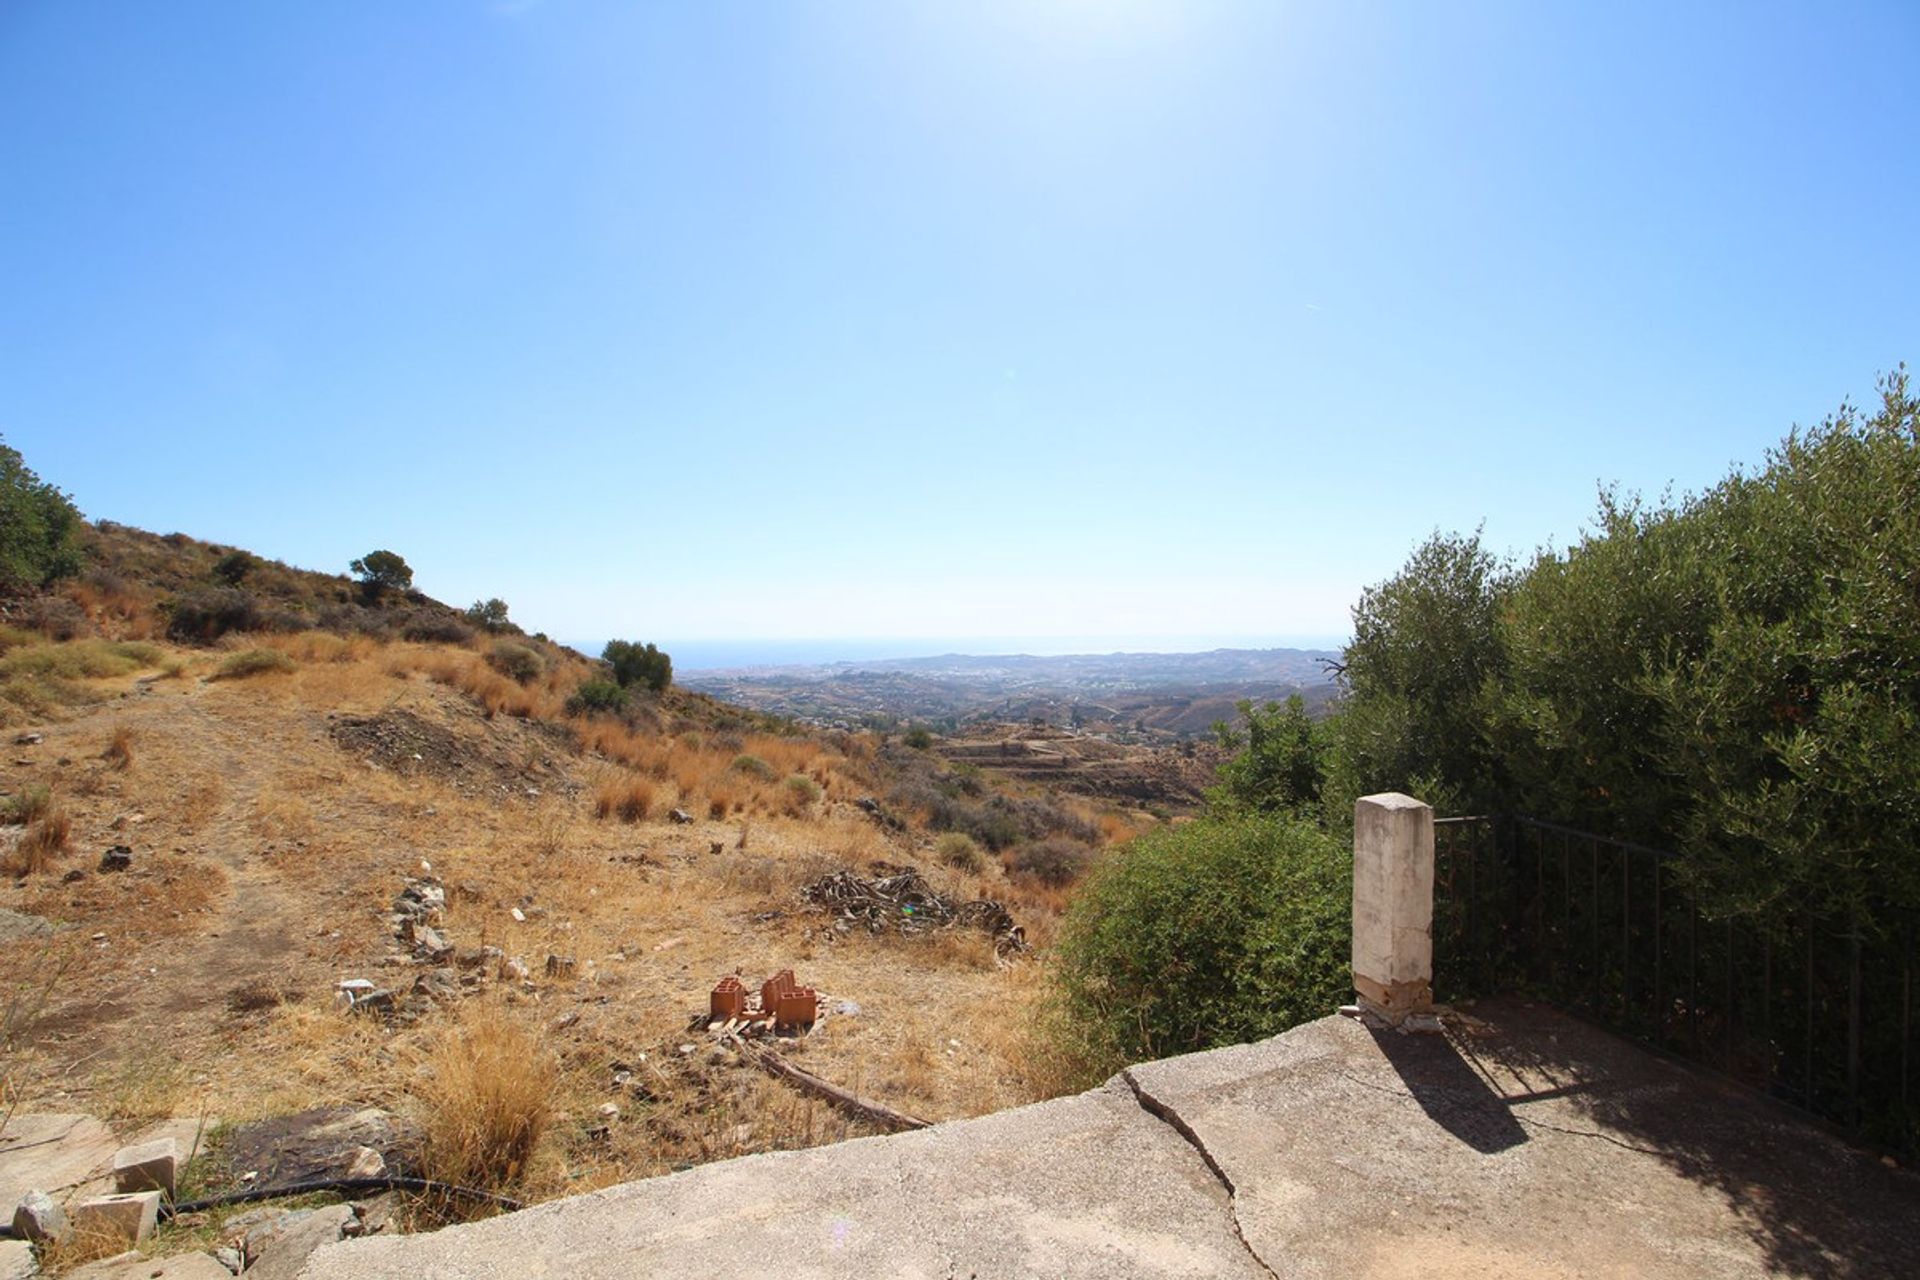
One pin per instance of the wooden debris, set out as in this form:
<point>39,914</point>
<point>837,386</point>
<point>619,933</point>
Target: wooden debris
<point>899,898</point>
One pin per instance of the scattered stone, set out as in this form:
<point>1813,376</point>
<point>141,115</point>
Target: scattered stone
<point>19,924</point>
<point>379,1001</point>
<point>367,1163</point>
<point>311,1145</point>
<point>560,966</point>
<point>74,876</point>
<point>685,1051</point>
<point>716,846</point>
<point>438,985</point>
<point>519,916</point>
<point>847,1008</point>
<point>679,817</point>
<point>130,1216</point>
<point>40,1218</point>
<point>117,858</point>
<point>567,1019</point>
<point>148,1166</point>
<point>29,740</point>
<point>371,1217</point>
<point>516,969</point>
<point>230,1258</point>
<point>609,1111</point>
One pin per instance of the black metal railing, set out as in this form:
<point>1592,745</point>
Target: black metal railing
<point>1814,1010</point>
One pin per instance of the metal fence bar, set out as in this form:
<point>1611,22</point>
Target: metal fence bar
<point>1495,929</point>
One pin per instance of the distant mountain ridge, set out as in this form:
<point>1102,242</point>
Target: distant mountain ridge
<point>1130,696</point>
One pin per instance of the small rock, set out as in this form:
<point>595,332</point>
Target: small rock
<point>516,969</point>
<point>609,1111</point>
<point>438,985</point>
<point>374,1002</point>
<point>117,858</point>
<point>519,916</point>
<point>685,1051</point>
<point>29,740</point>
<point>367,1163</point>
<point>40,1219</point>
<point>679,817</point>
<point>230,1258</point>
<point>716,846</point>
<point>74,876</point>
<point>848,1008</point>
<point>560,966</point>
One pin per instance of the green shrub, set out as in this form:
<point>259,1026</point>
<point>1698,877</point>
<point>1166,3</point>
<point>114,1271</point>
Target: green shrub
<point>26,805</point>
<point>204,615</point>
<point>958,851</point>
<point>920,738</point>
<point>434,626</point>
<point>234,566</point>
<point>638,664</point>
<point>1210,933</point>
<point>597,695</point>
<point>252,662</point>
<point>382,571</point>
<point>1053,862</point>
<point>38,526</point>
<point>755,767</point>
<point>515,661</point>
<point>802,791</point>
<point>489,615</point>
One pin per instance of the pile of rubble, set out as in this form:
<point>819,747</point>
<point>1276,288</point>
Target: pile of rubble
<point>417,917</point>
<point>899,898</point>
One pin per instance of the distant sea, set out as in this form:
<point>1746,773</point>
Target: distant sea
<point>711,655</point>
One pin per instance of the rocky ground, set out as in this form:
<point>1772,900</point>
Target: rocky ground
<point>323,873</point>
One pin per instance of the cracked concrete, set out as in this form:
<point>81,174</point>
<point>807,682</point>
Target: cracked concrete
<point>1521,1144</point>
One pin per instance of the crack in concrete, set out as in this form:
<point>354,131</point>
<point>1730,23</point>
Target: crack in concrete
<point>1171,1118</point>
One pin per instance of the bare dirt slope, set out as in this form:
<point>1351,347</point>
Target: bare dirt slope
<point>272,821</point>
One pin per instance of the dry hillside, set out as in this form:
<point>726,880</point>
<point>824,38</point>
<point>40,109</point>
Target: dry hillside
<point>279,789</point>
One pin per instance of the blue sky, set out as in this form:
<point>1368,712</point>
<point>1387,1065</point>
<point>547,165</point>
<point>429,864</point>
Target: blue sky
<point>1146,322</point>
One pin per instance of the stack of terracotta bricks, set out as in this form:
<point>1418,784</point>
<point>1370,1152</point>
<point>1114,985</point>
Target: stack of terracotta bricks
<point>783,1001</point>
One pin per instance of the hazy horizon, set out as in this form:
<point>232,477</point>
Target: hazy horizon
<point>726,654</point>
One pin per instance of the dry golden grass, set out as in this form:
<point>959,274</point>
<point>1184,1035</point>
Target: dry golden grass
<point>487,1101</point>
<point>628,798</point>
<point>119,749</point>
<point>289,848</point>
<point>44,840</point>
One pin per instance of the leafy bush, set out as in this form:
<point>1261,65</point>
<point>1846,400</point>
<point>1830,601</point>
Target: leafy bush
<point>56,618</point>
<point>1734,676</point>
<point>638,664</point>
<point>1055,862</point>
<point>490,615</point>
<point>958,851</point>
<point>25,805</point>
<point>203,616</point>
<point>596,695</point>
<point>234,566</point>
<point>433,626</point>
<point>755,767</point>
<point>80,660</point>
<point>515,661</point>
<point>382,571</point>
<point>1210,933</point>
<point>38,525</point>
<point>252,662</point>
<point>920,738</point>
<point>802,792</point>
<point>1282,760</point>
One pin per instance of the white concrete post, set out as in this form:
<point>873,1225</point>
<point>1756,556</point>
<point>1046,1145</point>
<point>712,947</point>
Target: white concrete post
<point>1393,905</point>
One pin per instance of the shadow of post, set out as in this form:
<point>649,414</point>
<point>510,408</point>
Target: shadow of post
<point>1450,1091</point>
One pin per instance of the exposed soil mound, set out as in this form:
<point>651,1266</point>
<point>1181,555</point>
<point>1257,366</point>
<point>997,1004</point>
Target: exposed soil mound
<point>412,745</point>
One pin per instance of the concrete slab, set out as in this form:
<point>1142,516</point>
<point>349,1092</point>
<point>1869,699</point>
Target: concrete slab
<point>52,1152</point>
<point>1091,1186</point>
<point>1527,1145</point>
<point>137,1266</point>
